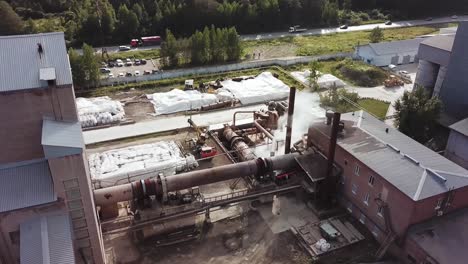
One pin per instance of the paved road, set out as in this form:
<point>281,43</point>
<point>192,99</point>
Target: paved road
<point>165,124</point>
<point>319,31</point>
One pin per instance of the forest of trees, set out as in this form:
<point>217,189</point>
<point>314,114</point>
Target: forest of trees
<point>100,22</point>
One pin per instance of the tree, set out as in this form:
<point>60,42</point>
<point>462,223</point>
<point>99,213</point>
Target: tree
<point>169,50</point>
<point>10,22</point>
<point>314,67</point>
<point>376,35</point>
<point>417,113</point>
<point>30,27</point>
<point>330,13</point>
<point>197,54</point>
<point>76,68</point>
<point>347,4</point>
<point>234,48</point>
<point>339,100</point>
<point>128,23</point>
<point>90,66</point>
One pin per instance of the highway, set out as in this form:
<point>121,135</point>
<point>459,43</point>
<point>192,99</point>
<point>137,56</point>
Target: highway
<point>317,31</point>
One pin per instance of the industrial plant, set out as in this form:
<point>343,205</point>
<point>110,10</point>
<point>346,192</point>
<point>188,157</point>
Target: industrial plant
<point>272,182</point>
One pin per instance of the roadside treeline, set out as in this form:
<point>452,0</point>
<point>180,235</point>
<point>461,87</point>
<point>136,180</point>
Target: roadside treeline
<point>100,22</point>
<point>212,45</point>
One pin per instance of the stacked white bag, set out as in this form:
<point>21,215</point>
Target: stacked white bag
<point>99,111</point>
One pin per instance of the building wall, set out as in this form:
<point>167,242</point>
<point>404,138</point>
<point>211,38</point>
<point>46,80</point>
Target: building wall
<point>10,227</point>
<point>367,54</point>
<point>416,253</point>
<point>21,120</point>
<point>457,149</point>
<point>72,183</point>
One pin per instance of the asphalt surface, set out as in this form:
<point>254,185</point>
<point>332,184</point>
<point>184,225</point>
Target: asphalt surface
<point>317,31</point>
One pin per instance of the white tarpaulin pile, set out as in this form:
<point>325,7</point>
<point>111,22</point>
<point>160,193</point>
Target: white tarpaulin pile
<point>99,111</point>
<point>138,162</point>
<point>324,81</point>
<point>263,88</point>
<point>178,100</point>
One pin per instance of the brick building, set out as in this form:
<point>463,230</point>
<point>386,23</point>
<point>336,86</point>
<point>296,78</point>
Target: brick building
<point>47,212</point>
<point>392,183</point>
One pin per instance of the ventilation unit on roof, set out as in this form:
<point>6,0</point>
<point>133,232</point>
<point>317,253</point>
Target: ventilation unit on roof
<point>393,147</point>
<point>411,159</point>
<point>437,175</point>
<point>47,74</point>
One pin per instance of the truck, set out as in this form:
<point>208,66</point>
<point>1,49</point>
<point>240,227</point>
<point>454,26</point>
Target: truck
<point>296,29</point>
<point>146,41</point>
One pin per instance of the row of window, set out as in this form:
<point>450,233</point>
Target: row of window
<point>357,170</point>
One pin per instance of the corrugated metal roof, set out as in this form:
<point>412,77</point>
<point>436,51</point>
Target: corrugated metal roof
<point>411,167</point>
<point>62,134</point>
<point>25,184</point>
<point>47,239</point>
<point>444,238</point>
<point>21,63</point>
<point>396,47</point>
<point>461,127</point>
<point>440,42</point>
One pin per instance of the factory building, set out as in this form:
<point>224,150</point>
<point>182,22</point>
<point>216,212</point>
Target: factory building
<point>47,212</point>
<point>391,183</point>
<point>386,53</point>
<point>442,72</point>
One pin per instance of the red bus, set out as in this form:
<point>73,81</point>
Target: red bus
<point>146,41</point>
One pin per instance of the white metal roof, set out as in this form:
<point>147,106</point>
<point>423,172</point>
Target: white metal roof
<point>62,134</point>
<point>25,184</point>
<point>21,61</point>
<point>396,47</point>
<point>47,239</point>
<point>461,127</point>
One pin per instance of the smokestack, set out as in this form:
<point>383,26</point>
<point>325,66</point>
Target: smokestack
<point>292,99</point>
<point>333,137</point>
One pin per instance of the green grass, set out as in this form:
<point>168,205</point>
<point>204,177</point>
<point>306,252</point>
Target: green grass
<point>337,42</point>
<point>162,85</point>
<point>136,54</point>
<point>375,107</point>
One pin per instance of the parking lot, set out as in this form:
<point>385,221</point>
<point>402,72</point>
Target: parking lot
<point>125,69</point>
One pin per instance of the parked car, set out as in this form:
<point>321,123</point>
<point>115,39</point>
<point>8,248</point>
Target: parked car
<point>119,63</point>
<point>103,64</point>
<point>124,48</point>
<point>146,72</point>
<point>154,71</point>
<point>143,61</point>
<point>128,62</point>
<point>111,75</point>
<point>137,62</point>
<point>344,27</point>
<point>429,19</point>
<point>454,17</point>
<point>111,64</point>
<point>388,23</point>
<point>137,73</point>
<point>129,74</point>
<point>121,74</point>
<point>104,70</point>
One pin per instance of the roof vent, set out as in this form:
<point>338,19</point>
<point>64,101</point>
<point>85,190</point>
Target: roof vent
<point>437,175</point>
<point>47,74</point>
<point>411,159</point>
<point>393,147</point>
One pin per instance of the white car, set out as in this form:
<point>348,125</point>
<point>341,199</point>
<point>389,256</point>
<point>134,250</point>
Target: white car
<point>137,73</point>
<point>128,62</point>
<point>454,17</point>
<point>121,74</point>
<point>403,72</point>
<point>119,63</point>
<point>111,75</point>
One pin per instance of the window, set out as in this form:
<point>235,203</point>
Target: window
<point>366,199</point>
<point>375,231</point>
<point>380,211</point>
<point>357,169</point>
<point>371,180</point>
<point>354,189</point>
<point>349,207</point>
<point>362,219</point>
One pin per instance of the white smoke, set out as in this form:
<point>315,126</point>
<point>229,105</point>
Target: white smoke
<point>307,109</point>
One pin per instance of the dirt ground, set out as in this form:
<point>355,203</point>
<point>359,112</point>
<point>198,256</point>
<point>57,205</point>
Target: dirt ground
<point>271,51</point>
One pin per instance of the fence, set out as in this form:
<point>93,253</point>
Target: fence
<point>221,68</point>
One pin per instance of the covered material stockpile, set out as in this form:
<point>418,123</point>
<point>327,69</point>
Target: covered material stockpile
<point>99,111</point>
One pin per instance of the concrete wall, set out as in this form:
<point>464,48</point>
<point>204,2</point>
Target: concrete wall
<point>21,120</point>
<point>220,68</point>
<point>10,226</point>
<point>72,183</point>
<point>427,75</point>
<point>454,92</point>
<point>457,149</point>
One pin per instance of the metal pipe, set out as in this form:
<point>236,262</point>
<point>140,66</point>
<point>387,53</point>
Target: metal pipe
<point>162,185</point>
<point>332,146</point>
<point>261,128</point>
<point>292,99</point>
<point>240,112</point>
<point>238,143</point>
